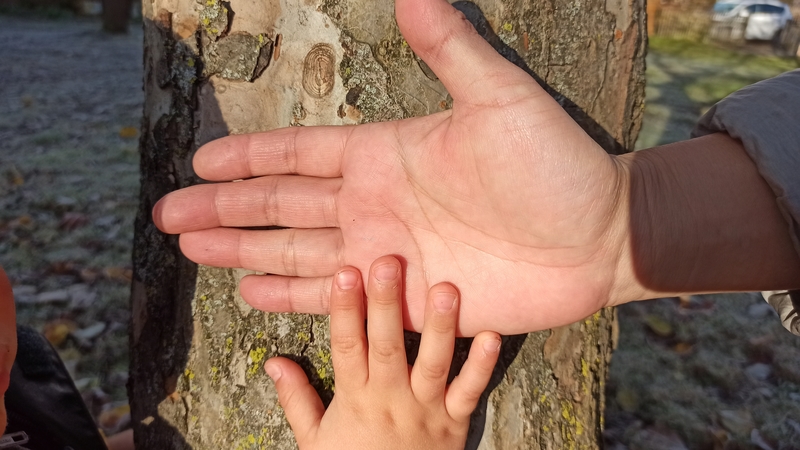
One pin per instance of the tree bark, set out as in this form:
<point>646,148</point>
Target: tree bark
<point>214,68</point>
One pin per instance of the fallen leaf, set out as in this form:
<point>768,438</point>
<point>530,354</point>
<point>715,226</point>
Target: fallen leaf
<point>57,296</point>
<point>23,221</point>
<point>719,437</point>
<point>110,418</point>
<point>89,275</point>
<point>758,371</point>
<point>128,132</point>
<point>121,274</point>
<point>739,422</point>
<point>758,440</point>
<point>657,438</point>
<point>15,176</point>
<point>27,101</point>
<point>65,201</point>
<point>56,332</point>
<point>682,348</point>
<point>73,220</point>
<point>628,400</point>
<point>80,296</point>
<point>63,268</point>
<point>90,332</point>
<point>658,326</point>
<point>24,290</point>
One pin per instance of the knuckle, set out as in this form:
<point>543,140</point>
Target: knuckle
<point>386,297</point>
<point>433,372</point>
<point>288,397</point>
<point>289,254</point>
<point>443,325</point>
<point>386,352</point>
<point>347,345</point>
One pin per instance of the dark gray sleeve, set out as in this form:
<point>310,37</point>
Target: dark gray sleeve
<point>766,118</point>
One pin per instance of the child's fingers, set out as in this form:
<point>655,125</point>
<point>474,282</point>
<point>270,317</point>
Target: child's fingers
<point>300,402</point>
<point>429,375</point>
<point>387,355</point>
<point>348,341</point>
<point>465,391</point>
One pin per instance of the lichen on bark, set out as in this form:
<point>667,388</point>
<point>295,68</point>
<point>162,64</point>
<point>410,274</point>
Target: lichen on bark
<point>205,388</point>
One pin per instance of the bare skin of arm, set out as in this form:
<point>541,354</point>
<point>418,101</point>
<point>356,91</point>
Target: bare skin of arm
<point>504,196</point>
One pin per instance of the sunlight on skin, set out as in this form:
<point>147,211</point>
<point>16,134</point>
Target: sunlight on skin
<point>504,196</point>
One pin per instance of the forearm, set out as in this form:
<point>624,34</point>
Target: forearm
<point>702,219</point>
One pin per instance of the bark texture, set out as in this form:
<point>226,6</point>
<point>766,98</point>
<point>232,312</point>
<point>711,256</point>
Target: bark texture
<point>213,68</point>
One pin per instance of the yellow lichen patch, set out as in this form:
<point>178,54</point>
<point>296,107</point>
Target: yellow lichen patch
<point>228,344</point>
<point>303,336</point>
<point>215,375</point>
<point>255,356</point>
<point>508,26</point>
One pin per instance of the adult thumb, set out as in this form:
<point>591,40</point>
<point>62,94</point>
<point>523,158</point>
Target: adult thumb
<point>470,69</point>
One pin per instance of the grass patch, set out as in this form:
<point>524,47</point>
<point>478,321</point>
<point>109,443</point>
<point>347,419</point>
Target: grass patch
<point>715,54</point>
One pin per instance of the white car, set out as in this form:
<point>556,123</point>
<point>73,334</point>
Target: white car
<point>765,18</point>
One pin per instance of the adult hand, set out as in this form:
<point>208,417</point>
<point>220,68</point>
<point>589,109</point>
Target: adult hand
<point>379,402</point>
<point>504,195</point>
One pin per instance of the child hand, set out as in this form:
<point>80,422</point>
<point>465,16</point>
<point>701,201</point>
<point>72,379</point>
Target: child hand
<point>381,403</point>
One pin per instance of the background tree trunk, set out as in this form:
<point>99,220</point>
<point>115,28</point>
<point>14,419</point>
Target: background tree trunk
<point>116,15</point>
<point>214,68</point>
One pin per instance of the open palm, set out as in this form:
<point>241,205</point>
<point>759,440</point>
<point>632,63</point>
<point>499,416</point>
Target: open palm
<point>504,193</point>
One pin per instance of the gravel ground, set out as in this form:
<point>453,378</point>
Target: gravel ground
<point>708,372</point>
<point>70,105</point>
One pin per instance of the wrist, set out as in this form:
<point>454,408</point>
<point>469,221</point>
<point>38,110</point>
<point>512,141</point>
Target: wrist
<point>625,285</point>
<point>701,219</point>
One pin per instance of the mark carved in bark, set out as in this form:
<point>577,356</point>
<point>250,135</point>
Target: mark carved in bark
<point>318,74</point>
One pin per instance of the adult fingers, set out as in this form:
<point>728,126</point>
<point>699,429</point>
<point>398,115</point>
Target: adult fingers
<point>300,402</point>
<point>348,340</point>
<point>387,355</point>
<point>465,391</point>
<point>312,151</point>
<point>287,294</point>
<point>468,66</point>
<point>289,201</point>
<point>429,375</point>
<point>291,252</point>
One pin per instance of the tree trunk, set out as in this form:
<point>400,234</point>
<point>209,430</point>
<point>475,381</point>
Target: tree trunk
<point>214,68</point>
<point>116,15</point>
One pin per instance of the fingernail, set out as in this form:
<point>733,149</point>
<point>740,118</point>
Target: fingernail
<point>346,280</point>
<point>491,345</point>
<point>443,301</point>
<point>273,370</point>
<point>386,272</point>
